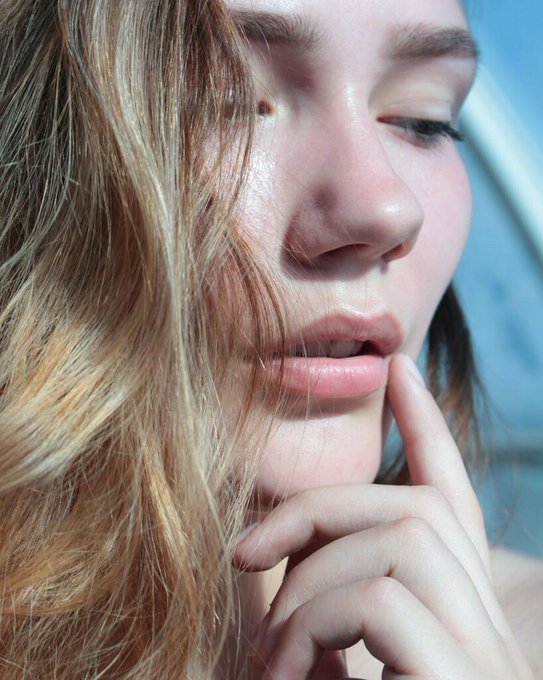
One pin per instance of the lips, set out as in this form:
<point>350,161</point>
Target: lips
<point>340,356</point>
<point>335,349</point>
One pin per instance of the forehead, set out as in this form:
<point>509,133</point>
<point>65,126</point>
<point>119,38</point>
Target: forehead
<point>361,33</point>
<point>339,7</point>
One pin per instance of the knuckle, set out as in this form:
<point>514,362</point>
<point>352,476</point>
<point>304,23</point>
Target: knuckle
<point>382,591</point>
<point>415,531</point>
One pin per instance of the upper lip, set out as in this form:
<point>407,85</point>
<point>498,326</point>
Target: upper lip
<point>382,329</point>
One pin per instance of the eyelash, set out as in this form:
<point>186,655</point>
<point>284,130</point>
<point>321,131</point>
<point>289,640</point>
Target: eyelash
<point>429,133</point>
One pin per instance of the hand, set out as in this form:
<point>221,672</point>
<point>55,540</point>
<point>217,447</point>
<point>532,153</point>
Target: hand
<point>406,569</point>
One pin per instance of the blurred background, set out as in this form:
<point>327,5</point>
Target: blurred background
<point>500,280</point>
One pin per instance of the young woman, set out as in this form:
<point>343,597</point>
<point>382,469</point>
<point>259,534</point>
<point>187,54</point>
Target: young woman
<point>358,200</point>
<point>226,232</point>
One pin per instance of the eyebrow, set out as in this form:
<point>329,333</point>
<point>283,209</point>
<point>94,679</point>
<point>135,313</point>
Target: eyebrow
<point>424,41</point>
<point>276,29</point>
<point>409,42</point>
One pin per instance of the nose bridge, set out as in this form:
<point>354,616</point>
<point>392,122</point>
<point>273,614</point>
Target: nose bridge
<point>357,196</point>
<point>355,162</point>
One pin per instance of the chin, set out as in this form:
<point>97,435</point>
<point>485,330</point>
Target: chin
<point>331,443</point>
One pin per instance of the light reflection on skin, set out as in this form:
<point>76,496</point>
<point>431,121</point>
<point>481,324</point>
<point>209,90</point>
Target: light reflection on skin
<point>334,188</point>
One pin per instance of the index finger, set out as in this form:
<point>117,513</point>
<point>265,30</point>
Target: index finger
<point>432,455</point>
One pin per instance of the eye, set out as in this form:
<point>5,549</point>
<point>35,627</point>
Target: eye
<point>425,132</point>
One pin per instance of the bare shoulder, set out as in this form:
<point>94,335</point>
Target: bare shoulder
<point>518,581</point>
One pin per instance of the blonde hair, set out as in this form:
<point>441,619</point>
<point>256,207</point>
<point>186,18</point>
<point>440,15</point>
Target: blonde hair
<point>120,125</point>
<point>126,298</point>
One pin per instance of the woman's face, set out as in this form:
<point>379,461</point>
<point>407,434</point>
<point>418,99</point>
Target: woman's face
<point>357,203</point>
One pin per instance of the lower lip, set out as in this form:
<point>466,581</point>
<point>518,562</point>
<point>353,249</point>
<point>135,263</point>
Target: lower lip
<point>323,377</point>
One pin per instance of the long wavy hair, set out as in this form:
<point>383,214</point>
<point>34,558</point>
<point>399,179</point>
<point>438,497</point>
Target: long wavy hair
<point>125,129</point>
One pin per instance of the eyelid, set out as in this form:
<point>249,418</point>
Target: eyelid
<point>428,132</point>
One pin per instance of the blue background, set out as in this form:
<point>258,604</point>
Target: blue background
<point>500,282</point>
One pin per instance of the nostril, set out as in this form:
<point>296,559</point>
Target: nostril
<point>399,251</point>
<point>394,254</point>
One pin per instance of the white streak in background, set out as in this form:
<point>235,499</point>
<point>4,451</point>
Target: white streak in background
<point>497,133</point>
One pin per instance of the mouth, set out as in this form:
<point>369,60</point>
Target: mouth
<point>342,336</point>
<point>332,349</point>
<point>341,356</point>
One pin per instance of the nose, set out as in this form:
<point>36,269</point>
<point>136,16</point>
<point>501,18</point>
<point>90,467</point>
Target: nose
<point>352,204</point>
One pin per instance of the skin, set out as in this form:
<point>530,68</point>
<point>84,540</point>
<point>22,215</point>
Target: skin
<point>392,230</point>
<point>406,570</point>
<point>352,212</point>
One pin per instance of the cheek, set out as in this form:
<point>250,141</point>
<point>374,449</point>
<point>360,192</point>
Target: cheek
<point>447,210</point>
<point>433,261</point>
<point>261,205</point>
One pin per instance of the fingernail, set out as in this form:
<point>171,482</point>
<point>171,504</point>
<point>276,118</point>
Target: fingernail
<point>413,370</point>
<point>246,532</point>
